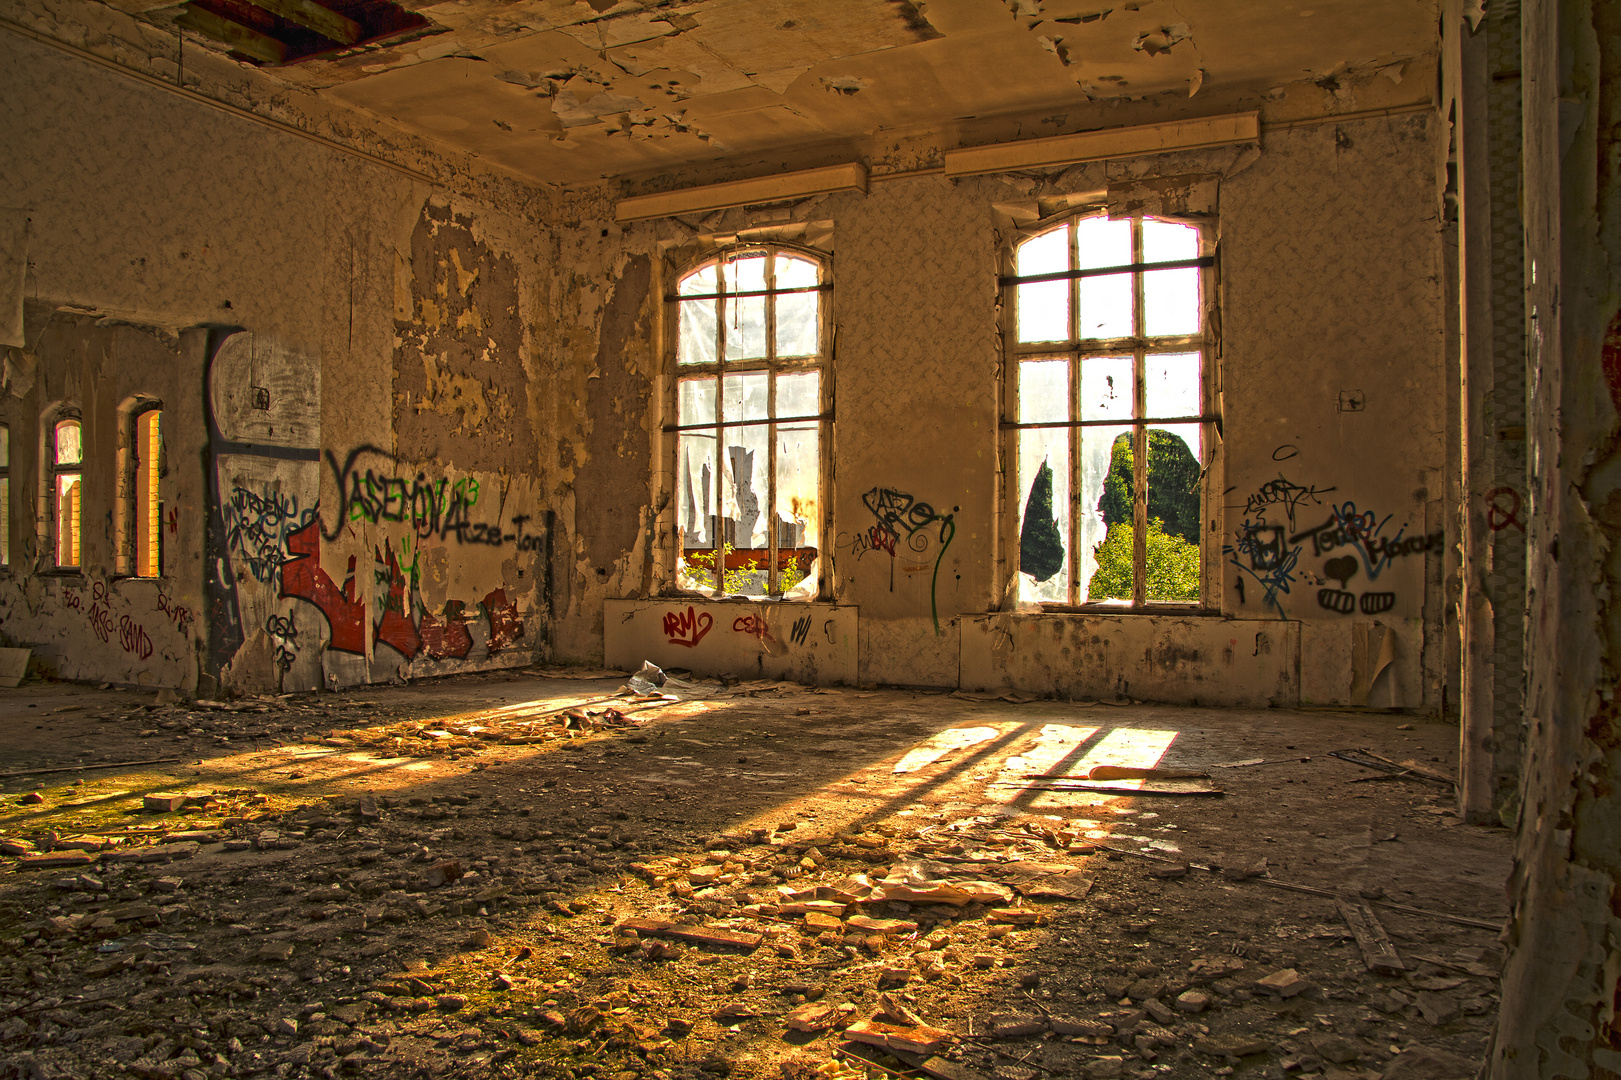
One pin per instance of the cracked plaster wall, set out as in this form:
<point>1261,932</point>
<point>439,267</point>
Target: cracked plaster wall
<point>1331,279</point>
<point>387,335</point>
<point>1559,1010</point>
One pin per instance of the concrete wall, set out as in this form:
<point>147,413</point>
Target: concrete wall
<point>352,404</point>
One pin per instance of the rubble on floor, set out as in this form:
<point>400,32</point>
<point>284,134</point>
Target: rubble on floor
<point>591,905</point>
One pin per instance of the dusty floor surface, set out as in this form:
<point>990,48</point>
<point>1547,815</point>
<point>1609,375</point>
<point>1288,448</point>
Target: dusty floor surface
<point>435,880</point>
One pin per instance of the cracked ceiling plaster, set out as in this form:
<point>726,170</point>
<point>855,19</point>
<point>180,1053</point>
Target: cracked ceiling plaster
<point>569,91</point>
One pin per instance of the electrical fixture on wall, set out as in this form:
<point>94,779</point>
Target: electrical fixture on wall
<point>1108,143</point>
<point>763,189</point>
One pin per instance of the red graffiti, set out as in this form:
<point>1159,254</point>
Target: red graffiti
<point>174,521</point>
<point>505,625</point>
<point>303,576</point>
<point>1612,358</point>
<point>687,629</point>
<point>132,636</point>
<point>177,614</point>
<point>752,625</point>
<point>395,627</point>
<point>882,538</point>
<point>73,600</point>
<point>447,637</point>
<point>101,621</point>
<point>1503,509</point>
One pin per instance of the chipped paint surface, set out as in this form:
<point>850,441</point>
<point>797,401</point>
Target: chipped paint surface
<point>558,91</point>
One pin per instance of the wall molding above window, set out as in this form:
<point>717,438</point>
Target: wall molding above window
<point>1228,130</point>
<point>762,189</point>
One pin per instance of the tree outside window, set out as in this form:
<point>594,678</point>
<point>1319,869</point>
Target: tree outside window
<point>1109,411</point>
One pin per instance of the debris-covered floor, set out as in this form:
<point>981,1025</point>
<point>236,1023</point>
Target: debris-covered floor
<point>459,878</point>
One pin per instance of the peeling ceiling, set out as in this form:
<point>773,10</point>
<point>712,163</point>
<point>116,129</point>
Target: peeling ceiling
<point>568,91</point>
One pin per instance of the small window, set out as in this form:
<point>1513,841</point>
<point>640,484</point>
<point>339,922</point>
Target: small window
<point>67,467</point>
<point>147,519</point>
<point>5,495</point>
<point>1108,411</point>
<point>750,425</point>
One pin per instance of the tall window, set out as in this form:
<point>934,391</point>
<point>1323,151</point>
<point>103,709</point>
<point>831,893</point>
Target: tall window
<point>147,519</point>
<point>1109,411</point>
<point>67,468</point>
<point>5,495</point>
<point>750,420</point>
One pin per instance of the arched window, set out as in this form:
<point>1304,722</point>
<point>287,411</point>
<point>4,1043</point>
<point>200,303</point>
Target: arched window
<point>1110,410</point>
<point>146,503</point>
<point>751,397</point>
<point>67,487</point>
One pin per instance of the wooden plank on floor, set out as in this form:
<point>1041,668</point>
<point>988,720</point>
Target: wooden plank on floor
<point>1378,953</point>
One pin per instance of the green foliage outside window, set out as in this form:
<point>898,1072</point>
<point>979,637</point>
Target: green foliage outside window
<point>1172,565</point>
<point>740,580</point>
<point>1173,484</point>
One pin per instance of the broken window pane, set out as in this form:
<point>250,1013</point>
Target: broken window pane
<point>799,394</point>
<point>745,396</point>
<point>1166,241</point>
<point>695,401</point>
<point>701,282</point>
<point>798,516</point>
<point>1106,388</point>
<point>1044,515</point>
<point>1174,514</point>
<point>1172,384</point>
<point>745,494</point>
<point>797,331</point>
<point>695,336</point>
<point>696,495</point>
<point>1044,305</point>
<point>1101,242</point>
<point>795,273</point>
<point>69,451</point>
<point>1171,302</point>
<point>1105,306</point>
<point>1104,512</point>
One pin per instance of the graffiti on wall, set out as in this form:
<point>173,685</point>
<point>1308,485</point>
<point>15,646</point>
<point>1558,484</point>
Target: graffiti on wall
<point>303,576</point>
<point>899,517</point>
<point>687,628</point>
<point>1503,509</point>
<point>257,525</point>
<point>283,633</point>
<point>1268,556</point>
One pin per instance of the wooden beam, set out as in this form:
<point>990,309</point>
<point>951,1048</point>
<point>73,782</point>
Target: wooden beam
<point>242,39</point>
<point>312,16</point>
<point>764,189</point>
<point>1108,143</point>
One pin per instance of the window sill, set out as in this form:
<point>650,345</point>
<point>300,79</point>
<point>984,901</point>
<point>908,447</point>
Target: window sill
<point>1185,610</point>
<point>740,600</point>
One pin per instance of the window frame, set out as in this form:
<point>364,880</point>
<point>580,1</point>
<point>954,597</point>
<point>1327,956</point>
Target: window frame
<point>55,470</point>
<point>821,362</point>
<point>1138,345</point>
<point>132,474</point>
<point>5,493</point>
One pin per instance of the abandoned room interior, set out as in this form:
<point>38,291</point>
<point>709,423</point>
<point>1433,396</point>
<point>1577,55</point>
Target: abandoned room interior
<point>654,539</point>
